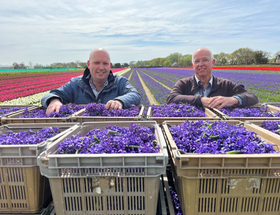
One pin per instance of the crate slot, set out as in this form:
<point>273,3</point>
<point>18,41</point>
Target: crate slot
<point>228,205</point>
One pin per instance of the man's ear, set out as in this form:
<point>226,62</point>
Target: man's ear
<point>111,65</point>
<point>88,63</point>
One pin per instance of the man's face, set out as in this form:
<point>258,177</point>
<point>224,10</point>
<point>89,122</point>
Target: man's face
<point>203,64</point>
<point>99,65</point>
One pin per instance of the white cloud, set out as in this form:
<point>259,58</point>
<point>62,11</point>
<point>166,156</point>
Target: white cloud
<point>64,31</point>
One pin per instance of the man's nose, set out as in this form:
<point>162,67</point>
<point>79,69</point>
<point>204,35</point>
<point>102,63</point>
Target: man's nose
<point>201,62</point>
<point>101,67</point>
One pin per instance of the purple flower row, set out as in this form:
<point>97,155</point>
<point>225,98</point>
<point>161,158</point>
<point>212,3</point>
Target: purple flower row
<point>218,138</point>
<point>156,88</point>
<point>135,81</point>
<point>177,110</point>
<point>28,137</point>
<point>273,126</point>
<point>161,78</point>
<point>94,109</point>
<point>112,140</point>
<point>127,74</point>
<point>65,111</point>
<point>263,111</point>
<point>4,111</point>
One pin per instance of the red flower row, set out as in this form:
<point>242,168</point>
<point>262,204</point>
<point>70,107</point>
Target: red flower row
<point>271,68</point>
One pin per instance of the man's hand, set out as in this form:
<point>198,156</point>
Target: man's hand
<point>205,101</point>
<point>113,105</point>
<point>220,101</point>
<point>54,106</point>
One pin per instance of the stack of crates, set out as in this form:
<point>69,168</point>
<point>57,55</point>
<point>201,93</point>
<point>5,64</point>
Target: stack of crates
<point>226,183</point>
<point>22,188</point>
<point>104,183</point>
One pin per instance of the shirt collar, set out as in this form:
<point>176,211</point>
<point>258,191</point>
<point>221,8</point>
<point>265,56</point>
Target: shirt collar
<point>198,81</point>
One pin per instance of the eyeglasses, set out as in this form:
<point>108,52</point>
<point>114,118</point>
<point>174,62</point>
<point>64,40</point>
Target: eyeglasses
<point>204,60</point>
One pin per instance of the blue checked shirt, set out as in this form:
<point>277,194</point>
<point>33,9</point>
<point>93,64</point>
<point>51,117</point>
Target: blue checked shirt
<point>94,90</point>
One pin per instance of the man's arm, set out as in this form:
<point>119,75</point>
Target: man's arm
<point>181,94</point>
<point>63,93</point>
<point>128,94</point>
<point>236,96</point>
<point>247,98</point>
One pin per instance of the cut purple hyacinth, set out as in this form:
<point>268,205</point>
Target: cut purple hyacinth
<point>177,110</point>
<point>249,112</point>
<point>112,140</point>
<point>94,109</point>
<point>218,138</point>
<point>273,126</point>
<point>28,137</point>
<point>65,111</point>
<point>9,110</point>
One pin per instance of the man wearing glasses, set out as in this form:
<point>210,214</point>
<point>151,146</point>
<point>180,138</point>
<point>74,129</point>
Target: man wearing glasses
<point>204,89</point>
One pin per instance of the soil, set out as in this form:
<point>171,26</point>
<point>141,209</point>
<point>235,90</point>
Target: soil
<point>150,96</point>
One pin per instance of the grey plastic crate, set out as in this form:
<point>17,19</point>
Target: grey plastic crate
<point>208,112</point>
<point>55,165</point>
<point>30,107</point>
<point>78,117</point>
<point>13,118</point>
<point>104,183</point>
<point>275,104</point>
<point>270,107</point>
<point>22,188</point>
<point>26,155</point>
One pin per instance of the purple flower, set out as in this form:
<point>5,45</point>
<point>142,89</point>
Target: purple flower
<point>94,109</point>
<point>273,126</point>
<point>249,112</point>
<point>217,138</point>
<point>28,137</point>
<point>65,111</point>
<point>4,111</point>
<point>112,140</point>
<point>177,110</point>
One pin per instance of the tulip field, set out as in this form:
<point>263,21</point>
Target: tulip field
<point>154,84</point>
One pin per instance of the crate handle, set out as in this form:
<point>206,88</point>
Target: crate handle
<point>42,159</point>
<point>240,124</point>
<point>42,145</point>
<point>177,153</point>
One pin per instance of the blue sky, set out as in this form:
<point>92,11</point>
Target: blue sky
<point>67,30</point>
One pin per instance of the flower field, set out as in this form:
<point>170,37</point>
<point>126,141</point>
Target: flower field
<point>158,82</point>
<point>18,86</point>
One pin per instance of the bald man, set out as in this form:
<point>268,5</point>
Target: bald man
<point>98,85</point>
<point>204,89</point>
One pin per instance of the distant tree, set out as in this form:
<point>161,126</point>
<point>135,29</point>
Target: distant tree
<point>244,56</point>
<point>174,57</point>
<point>30,64</point>
<point>276,54</point>
<point>221,59</point>
<point>167,63</point>
<point>185,60</point>
<point>117,65</point>
<point>125,65</point>
<point>261,57</point>
<point>38,66</point>
<point>83,64</point>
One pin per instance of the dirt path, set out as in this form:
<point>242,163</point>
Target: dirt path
<point>158,82</point>
<point>130,75</point>
<point>150,96</point>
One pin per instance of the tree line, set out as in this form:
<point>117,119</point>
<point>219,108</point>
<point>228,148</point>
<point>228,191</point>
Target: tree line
<point>76,64</point>
<point>242,56</point>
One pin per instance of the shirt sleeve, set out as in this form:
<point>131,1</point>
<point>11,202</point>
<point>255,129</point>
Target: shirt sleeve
<point>239,99</point>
